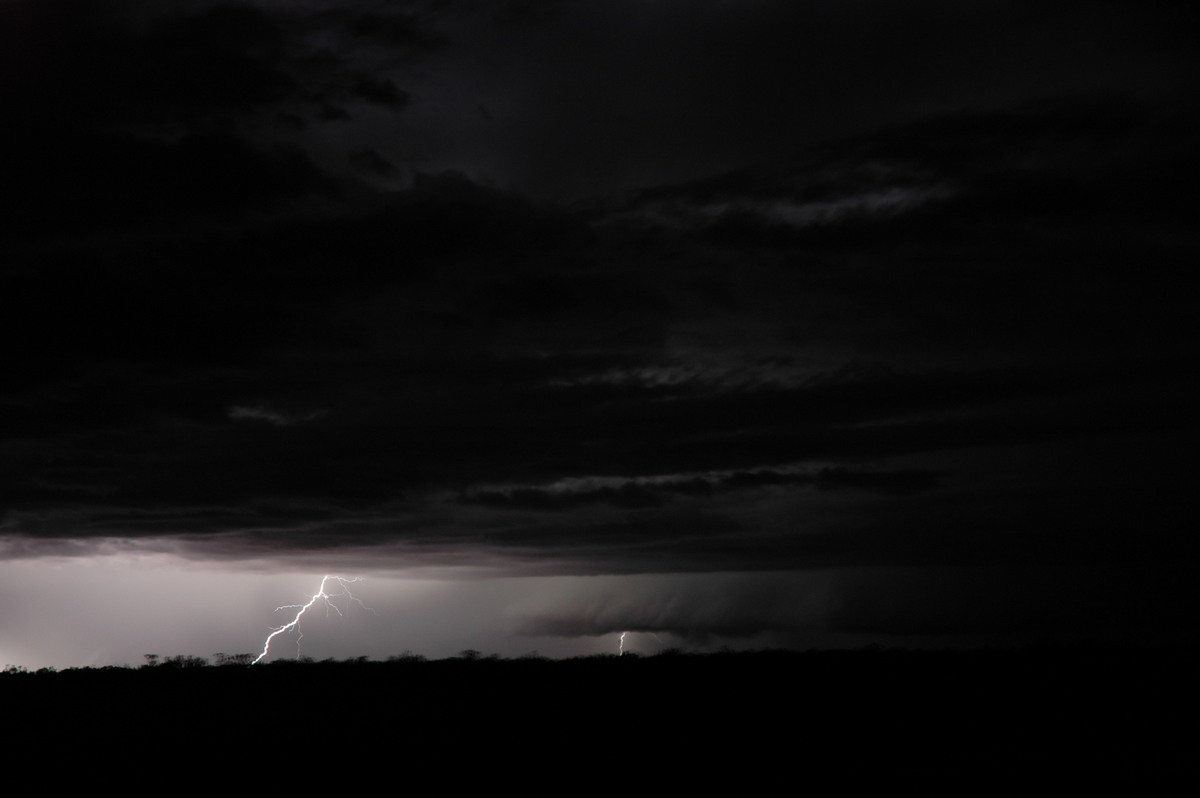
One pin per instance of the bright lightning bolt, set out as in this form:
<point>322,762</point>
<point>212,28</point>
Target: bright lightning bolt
<point>303,608</point>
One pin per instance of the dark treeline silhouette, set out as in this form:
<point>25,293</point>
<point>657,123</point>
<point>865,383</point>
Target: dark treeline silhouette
<point>1039,720</point>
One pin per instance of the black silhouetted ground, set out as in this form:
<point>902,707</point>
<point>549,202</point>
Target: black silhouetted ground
<point>1068,721</point>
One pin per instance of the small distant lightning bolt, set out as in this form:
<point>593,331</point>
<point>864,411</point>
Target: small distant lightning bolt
<point>303,608</point>
<point>621,642</point>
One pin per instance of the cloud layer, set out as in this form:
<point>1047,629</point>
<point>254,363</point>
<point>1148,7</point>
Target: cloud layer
<point>813,295</point>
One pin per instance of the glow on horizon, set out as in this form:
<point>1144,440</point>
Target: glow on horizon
<point>112,609</point>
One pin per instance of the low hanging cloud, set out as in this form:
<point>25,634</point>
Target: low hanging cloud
<point>695,607</point>
<point>973,603</point>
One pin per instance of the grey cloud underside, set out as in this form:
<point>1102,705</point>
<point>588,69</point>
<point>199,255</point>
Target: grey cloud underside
<point>803,608</point>
<point>955,342</point>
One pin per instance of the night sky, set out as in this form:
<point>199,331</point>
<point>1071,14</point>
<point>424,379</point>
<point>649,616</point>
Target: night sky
<point>746,324</point>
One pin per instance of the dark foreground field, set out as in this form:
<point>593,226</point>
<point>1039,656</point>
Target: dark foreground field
<point>1033,721</point>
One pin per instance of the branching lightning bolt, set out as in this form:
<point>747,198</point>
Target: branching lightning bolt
<point>303,608</point>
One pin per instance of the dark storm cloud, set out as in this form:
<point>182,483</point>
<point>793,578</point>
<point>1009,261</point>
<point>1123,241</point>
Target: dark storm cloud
<point>131,115</point>
<point>640,93</point>
<point>113,63</point>
<point>367,160</point>
<point>450,337</point>
<point>381,92</point>
<point>398,28</point>
<point>934,341</point>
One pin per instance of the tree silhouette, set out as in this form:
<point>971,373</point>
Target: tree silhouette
<point>221,659</point>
